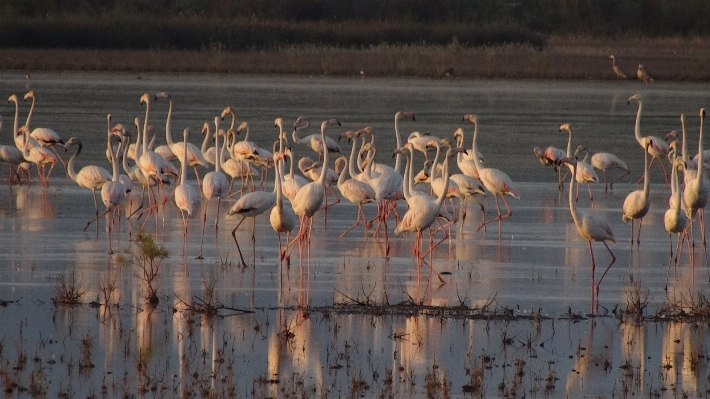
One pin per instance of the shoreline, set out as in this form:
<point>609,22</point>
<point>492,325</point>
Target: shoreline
<point>562,59</point>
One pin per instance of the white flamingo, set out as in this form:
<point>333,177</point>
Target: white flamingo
<point>659,149</point>
<point>310,197</point>
<point>585,171</point>
<point>214,184</point>
<point>194,156</point>
<point>356,192</point>
<point>314,141</point>
<point>38,155</point>
<point>637,203</point>
<point>697,189</point>
<point>113,194</point>
<point>90,176</point>
<point>606,160</point>
<point>252,205</point>
<point>591,227</point>
<point>282,217</point>
<point>46,137</point>
<point>495,181</point>
<point>675,220</point>
<point>187,198</point>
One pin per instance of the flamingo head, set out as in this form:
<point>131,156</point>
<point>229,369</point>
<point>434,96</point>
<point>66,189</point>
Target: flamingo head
<point>565,126</point>
<point>672,136</point>
<point>242,126</point>
<point>145,98</point>
<point>366,129</point>
<point>471,118</point>
<point>329,122</point>
<point>702,113</point>
<point>405,114</point>
<point>433,143</point>
<point>301,124</point>
<point>279,122</point>
<point>12,98</point>
<point>348,134</point>
<point>458,133</point>
<point>30,94</point>
<point>226,111</point>
<point>163,94</point>
<point>635,97</point>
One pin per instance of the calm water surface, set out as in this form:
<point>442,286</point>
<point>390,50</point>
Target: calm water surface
<point>267,342</point>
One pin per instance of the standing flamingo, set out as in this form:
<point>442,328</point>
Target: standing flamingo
<point>36,154</point>
<point>697,189</point>
<point>214,184</point>
<point>113,194</point>
<point>310,197</point>
<point>495,181</point>
<point>194,156</point>
<point>11,155</point>
<point>591,227</point>
<point>585,171</point>
<point>660,149</point>
<point>151,163</point>
<point>675,220</point>
<point>637,203</point>
<point>420,217</point>
<point>619,73</point>
<point>282,217</point>
<point>356,192</point>
<point>314,141</point>
<point>90,176</point>
<point>46,137</point>
<point>187,198</point>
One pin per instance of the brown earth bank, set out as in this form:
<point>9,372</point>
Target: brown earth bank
<point>672,59</point>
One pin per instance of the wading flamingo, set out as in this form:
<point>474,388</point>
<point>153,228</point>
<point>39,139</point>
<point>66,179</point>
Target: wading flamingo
<point>697,189</point>
<point>659,149</point>
<point>356,192</point>
<point>675,220</point>
<point>637,203</point>
<point>187,198</point>
<point>282,217</point>
<point>606,160</point>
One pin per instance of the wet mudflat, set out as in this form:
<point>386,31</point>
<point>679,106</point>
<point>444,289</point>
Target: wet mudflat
<point>512,319</point>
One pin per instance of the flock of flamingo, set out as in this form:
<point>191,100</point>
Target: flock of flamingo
<point>295,199</point>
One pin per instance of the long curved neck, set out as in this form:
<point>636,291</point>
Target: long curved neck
<point>397,159</point>
<point>139,142</point>
<point>323,171</point>
<point>474,147</point>
<point>675,188</point>
<point>343,173</point>
<point>29,115</point>
<point>183,166</point>
<point>569,142</point>
<point>277,182</point>
<point>637,127</point>
<point>572,207</point>
<point>297,139</point>
<point>114,162</point>
<point>124,157</point>
<point>16,123</point>
<point>646,179</point>
<point>351,162</point>
<point>434,164</point>
<point>145,126</point>
<point>408,177</point>
<point>218,151</point>
<point>205,141</point>
<point>684,144</point>
<point>168,126</point>
<point>70,164</point>
<point>442,194</point>
<point>699,175</point>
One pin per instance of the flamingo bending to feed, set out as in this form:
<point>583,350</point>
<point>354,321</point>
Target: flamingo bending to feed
<point>252,205</point>
<point>659,149</point>
<point>637,203</point>
<point>591,227</point>
<point>495,181</point>
<point>606,160</point>
<point>551,156</point>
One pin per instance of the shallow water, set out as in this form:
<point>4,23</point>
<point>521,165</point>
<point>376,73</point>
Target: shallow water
<point>526,287</point>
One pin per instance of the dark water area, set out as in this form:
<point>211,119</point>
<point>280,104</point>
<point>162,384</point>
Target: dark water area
<point>395,330</point>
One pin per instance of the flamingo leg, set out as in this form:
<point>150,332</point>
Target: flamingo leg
<point>611,186</point>
<point>234,236</point>
<point>357,221</point>
<point>613,259</point>
<point>204,222</point>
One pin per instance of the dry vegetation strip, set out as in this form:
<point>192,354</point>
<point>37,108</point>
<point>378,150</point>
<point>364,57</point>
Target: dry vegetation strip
<point>563,58</point>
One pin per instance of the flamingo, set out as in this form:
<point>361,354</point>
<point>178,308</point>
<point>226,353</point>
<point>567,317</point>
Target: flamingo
<point>11,154</point>
<point>209,152</point>
<point>619,73</point>
<point>90,176</point>
<point>675,220</point>
<point>495,181</point>
<point>643,75</point>
<point>282,217</point>
<point>214,184</point>
<point>697,189</point>
<point>312,170</point>
<point>585,171</point>
<point>465,161</point>
<point>194,156</point>
<point>252,205</point>
<point>36,154</point>
<point>421,216</point>
<point>314,141</point>
<point>551,156</point>
<point>45,137</point>
<point>356,192</point>
<point>420,141</point>
<point>637,203</point>
<point>310,197</point>
<point>292,182</point>
<point>606,160</point>
<point>113,194</point>
<point>660,148</point>
<point>187,198</point>
<point>591,227</point>
<point>152,165</point>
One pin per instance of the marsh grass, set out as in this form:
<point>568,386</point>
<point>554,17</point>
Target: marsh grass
<point>68,290</point>
<point>670,59</point>
<point>149,259</point>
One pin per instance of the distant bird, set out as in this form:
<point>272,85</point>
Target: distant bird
<point>591,227</point>
<point>659,149</point>
<point>637,203</point>
<point>643,74</point>
<point>619,73</point>
<point>606,160</point>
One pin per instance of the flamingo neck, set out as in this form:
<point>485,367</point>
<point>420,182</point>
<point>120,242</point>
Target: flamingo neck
<point>145,126</point>
<point>637,126</point>
<point>572,207</point>
<point>183,165</point>
<point>646,179</point>
<point>323,171</point>
<point>70,164</point>
<point>699,158</point>
<point>474,147</point>
<point>29,115</point>
<point>442,194</point>
<point>168,126</point>
<point>398,157</point>
<point>569,143</point>
<point>16,124</point>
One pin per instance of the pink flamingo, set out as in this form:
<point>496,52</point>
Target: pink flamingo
<point>356,192</point>
<point>214,184</point>
<point>659,149</point>
<point>637,203</point>
<point>187,198</point>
